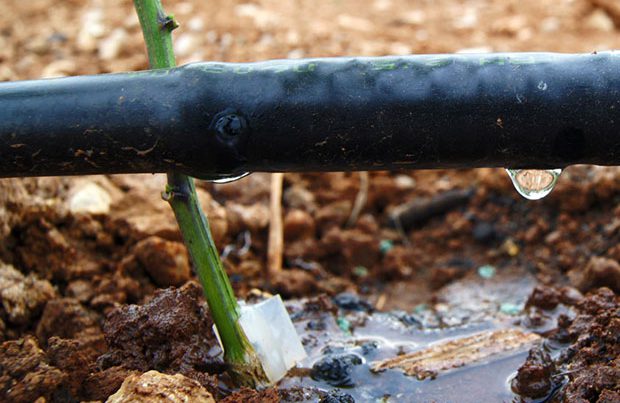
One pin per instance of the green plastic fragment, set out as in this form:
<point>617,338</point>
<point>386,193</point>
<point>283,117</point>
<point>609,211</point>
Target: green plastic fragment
<point>487,271</point>
<point>344,324</point>
<point>385,246</point>
<point>509,308</point>
<point>360,271</point>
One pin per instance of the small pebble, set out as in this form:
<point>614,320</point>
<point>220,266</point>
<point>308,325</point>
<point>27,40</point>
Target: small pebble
<point>59,68</point>
<point>185,44</point>
<point>90,199</point>
<point>467,19</point>
<point>298,224</point>
<point>153,386</point>
<point>404,182</point>
<point>296,54</point>
<point>413,17</point>
<point>196,24</point>
<point>353,23</point>
<point>599,20</point>
<point>510,247</point>
<point>110,47</point>
<point>382,5</point>
<point>399,48</point>
<point>92,29</point>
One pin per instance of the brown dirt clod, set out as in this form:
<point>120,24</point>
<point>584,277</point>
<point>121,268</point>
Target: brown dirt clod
<point>591,361</point>
<point>25,374</point>
<point>298,224</point>
<point>246,395</point>
<point>599,272</point>
<point>544,297</point>
<point>294,283</point>
<point>76,357</point>
<point>67,318</point>
<point>165,261</point>
<point>534,376</point>
<point>99,385</point>
<point>171,333</point>
<point>23,297</point>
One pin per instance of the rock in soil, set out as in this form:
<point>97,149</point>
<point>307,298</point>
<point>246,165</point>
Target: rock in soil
<point>143,213</point>
<point>544,298</point>
<point>67,318</point>
<point>294,283</point>
<point>25,374</point>
<point>172,333</point>
<point>20,196</point>
<point>156,387</point>
<point>23,297</point>
<point>101,384</point>
<point>611,7</point>
<point>298,224</point>
<point>166,262</point>
<point>599,272</point>
<point>76,357</point>
<point>89,198</point>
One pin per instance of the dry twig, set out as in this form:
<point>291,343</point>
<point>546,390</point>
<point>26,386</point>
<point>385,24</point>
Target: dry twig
<point>276,238</point>
<point>360,199</point>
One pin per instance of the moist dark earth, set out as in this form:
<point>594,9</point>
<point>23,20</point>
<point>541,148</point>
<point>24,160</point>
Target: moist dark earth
<point>96,286</point>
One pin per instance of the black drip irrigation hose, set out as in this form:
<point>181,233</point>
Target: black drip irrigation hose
<point>218,120</point>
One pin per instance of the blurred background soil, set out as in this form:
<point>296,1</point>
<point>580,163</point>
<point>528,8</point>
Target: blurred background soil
<point>74,250</point>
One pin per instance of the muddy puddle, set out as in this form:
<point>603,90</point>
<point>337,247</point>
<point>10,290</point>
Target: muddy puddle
<point>348,365</point>
<point>446,352</point>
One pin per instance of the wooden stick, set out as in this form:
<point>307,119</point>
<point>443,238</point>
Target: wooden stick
<point>360,199</point>
<point>276,237</point>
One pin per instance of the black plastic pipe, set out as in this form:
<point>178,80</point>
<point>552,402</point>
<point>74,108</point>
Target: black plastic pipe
<point>214,120</point>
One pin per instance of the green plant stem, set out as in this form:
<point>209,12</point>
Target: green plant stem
<point>181,194</point>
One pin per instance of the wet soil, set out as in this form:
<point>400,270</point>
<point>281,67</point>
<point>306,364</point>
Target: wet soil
<point>95,284</point>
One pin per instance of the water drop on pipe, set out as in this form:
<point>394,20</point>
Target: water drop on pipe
<point>534,184</point>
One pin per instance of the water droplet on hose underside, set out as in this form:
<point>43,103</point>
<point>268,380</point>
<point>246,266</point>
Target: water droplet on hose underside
<point>534,184</point>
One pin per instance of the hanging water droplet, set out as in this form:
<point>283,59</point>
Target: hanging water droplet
<point>229,179</point>
<point>534,184</point>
